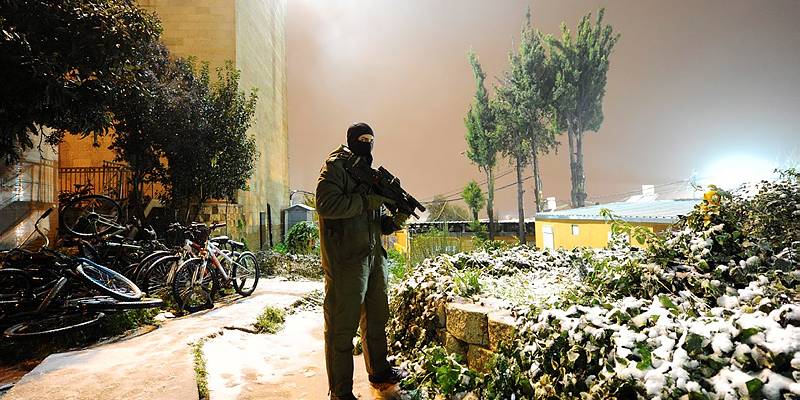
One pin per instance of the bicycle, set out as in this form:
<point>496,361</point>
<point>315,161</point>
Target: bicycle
<point>197,280</point>
<point>45,292</point>
<point>85,214</point>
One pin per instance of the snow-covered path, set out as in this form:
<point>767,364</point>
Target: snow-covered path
<point>240,365</point>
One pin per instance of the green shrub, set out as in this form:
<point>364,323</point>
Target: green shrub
<point>467,282</point>
<point>290,266</point>
<point>443,372</point>
<point>280,247</point>
<point>398,265</point>
<point>431,244</point>
<point>302,237</point>
<point>480,231</point>
<point>270,321</point>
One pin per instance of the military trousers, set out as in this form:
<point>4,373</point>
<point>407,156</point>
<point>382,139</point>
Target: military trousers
<point>355,295</point>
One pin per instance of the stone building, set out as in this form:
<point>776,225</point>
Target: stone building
<point>252,34</point>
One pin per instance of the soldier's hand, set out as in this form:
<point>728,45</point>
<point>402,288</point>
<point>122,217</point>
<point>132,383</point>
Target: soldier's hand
<point>400,219</point>
<point>374,201</point>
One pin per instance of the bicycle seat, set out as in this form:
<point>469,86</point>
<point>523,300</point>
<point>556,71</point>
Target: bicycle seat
<point>235,244</point>
<point>220,239</point>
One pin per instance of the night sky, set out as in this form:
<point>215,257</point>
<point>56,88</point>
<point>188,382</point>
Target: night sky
<point>693,86</point>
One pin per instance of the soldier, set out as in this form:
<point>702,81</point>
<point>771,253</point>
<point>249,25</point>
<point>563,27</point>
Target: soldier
<point>351,223</point>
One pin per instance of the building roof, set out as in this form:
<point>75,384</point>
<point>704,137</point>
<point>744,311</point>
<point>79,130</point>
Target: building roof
<point>300,205</point>
<point>652,211</point>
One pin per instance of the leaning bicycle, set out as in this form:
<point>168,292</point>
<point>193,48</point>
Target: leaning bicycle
<point>198,279</point>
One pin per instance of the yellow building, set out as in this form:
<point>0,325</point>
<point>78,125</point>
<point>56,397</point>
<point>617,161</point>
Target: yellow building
<point>586,227</point>
<point>252,34</point>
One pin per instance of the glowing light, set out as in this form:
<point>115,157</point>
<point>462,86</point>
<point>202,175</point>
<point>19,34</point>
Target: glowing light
<point>731,171</point>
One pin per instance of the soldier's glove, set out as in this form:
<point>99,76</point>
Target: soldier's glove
<point>400,219</point>
<point>375,201</point>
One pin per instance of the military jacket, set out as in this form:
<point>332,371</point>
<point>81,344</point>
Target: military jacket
<point>350,234</point>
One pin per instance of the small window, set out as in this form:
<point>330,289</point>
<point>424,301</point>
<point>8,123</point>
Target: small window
<point>576,230</point>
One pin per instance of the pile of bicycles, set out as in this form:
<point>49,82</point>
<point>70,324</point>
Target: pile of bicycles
<point>45,291</point>
<point>186,266</point>
<point>102,266</point>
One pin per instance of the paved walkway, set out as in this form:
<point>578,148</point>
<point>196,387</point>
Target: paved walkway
<point>159,365</point>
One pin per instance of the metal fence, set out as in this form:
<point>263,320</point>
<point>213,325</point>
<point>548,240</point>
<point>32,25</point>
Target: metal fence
<point>112,180</point>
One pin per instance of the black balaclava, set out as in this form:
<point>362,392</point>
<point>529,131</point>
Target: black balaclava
<point>361,149</point>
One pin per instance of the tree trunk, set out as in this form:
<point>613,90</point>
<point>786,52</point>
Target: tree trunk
<point>490,200</point>
<point>581,177</point>
<point>520,209</point>
<point>474,214</point>
<point>573,167</point>
<point>537,180</point>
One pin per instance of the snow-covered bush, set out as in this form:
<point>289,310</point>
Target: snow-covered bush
<point>710,310</point>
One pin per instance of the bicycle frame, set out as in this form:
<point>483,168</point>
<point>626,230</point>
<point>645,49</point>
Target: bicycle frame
<point>213,253</point>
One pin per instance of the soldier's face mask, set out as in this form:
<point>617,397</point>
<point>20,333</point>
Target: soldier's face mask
<point>362,146</point>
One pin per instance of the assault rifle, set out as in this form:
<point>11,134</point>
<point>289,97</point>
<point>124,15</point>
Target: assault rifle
<point>385,184</point>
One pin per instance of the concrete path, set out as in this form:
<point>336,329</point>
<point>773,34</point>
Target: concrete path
<point>159,365</point>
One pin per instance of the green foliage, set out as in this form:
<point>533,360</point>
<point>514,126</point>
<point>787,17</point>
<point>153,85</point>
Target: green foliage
<point>467,282</point>
<point>431,244</point>
<point>639,233</point>
<point>602,334</point>
<point>289,266</point>
<point>117,323</point>
<point>494,245</point>
<point>302,237</point>
<point>398,265</point>
<point>442,371</point>
<point>200,371</point>
<point>281,248</point>
<point>64,63</point>
<point>189,134</point>
<point>581,63</point>
<point>481,138</point>
<point>480,232</point>
<point>523,111</point>
<point>481,141</point>
<point>270,320</point>
<point>506,379</point>
<point>473,196</point>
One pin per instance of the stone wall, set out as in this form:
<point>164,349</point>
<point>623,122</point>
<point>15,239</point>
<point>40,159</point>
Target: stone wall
<point>474,332</point>
<point>261,56</point>
<point>230,214</point>
<point>205,29</point>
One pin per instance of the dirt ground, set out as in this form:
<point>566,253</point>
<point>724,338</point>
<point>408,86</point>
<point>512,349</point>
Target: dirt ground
<point>240,365</point>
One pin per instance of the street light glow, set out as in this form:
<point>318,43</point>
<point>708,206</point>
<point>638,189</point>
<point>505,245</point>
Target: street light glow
<point>733,170</point>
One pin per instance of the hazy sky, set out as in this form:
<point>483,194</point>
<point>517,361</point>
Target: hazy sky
<point>690,83</point>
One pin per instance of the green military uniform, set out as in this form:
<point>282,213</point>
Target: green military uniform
<point>355,273</point>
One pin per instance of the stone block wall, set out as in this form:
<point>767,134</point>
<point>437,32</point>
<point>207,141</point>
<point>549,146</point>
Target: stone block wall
<point>230,214</point>
<point>474,332</point>
<point>252,34</point>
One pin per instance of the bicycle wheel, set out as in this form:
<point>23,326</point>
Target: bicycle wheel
<point>53,324</point>
<point>108,281</point>
<point>14,284</point>
<point>110,303</point>
<point>157,280</point>
<point>91,215</point>
<point>194,285</point>
<point>141,269</point>
<point>245,274</point>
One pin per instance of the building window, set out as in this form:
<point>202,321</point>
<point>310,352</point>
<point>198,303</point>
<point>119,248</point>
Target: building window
<point>576,230</point>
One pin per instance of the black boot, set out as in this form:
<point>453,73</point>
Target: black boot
<point>392,377</point>
<point>348,396</point>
